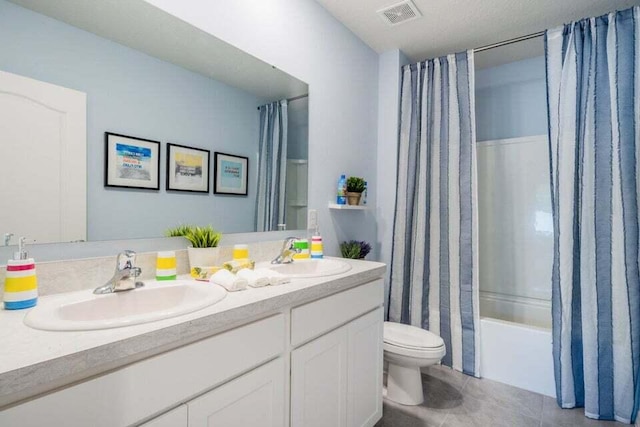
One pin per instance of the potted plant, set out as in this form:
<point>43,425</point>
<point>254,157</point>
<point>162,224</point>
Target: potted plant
<point>355,249</point>
<point>203,251</point>
<point>355,187</point>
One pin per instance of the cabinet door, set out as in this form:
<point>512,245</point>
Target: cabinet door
<point>364,386</point>
<point>174,418</point>
<point>319,382</point>
<point>256,399</point>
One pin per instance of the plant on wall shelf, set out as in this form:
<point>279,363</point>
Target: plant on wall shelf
<point>203,237</point>
<point>178,231</point>
<point>355,184</point>
<point>355,187</point>
<point>355,249</point>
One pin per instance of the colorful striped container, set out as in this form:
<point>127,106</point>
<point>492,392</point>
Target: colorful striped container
<point>316,247</point>
<point>166,266</point>
<point>20,285</point>
<point>303,249</point>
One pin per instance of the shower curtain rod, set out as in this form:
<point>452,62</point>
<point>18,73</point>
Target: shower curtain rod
<point>510,41</point>
<point>306,95</point>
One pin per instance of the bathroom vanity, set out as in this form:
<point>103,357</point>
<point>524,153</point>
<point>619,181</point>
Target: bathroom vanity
<point>307,353</point>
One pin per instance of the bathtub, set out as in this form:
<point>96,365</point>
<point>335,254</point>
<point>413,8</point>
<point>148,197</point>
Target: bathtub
<point>515,342</point>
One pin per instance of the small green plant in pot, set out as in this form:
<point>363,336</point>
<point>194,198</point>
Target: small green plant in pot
<point>355,249</point>
<point>203,251</point>
<point>203,237</point>
<point>355,187</point>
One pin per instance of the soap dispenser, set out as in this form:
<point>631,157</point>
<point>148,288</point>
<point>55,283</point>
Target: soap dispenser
<point>21,283</point>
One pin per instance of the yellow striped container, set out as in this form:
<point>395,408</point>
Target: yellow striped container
<point>20,285</point>
<point>240,251</point>
<point>302,246</point>
<point>166,266</point>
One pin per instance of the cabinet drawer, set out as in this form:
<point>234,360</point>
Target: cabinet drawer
<point>318,317</point>
<point>256,399</point>
<point>148,387</point>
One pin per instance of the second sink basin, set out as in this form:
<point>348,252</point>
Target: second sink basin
<point>311,267</point>
<point>83,310</point>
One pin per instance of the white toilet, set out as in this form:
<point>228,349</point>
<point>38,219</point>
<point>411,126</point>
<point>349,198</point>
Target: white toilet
<point>407,349</point>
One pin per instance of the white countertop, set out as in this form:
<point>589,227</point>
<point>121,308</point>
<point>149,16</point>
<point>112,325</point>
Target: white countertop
<point>34,361</point>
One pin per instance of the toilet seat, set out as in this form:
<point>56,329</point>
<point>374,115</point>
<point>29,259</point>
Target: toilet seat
<point>421,353</point>
<point>406,337</point>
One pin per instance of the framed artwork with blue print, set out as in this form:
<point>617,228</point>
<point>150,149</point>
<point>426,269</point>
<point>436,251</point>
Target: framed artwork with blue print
<point>230,174</point>
<point>131,162</point>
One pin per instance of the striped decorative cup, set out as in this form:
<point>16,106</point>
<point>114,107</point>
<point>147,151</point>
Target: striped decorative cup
<point>20,285</point>
<point>240,251</point>
<point>302,246</point>
<point>166,266</point>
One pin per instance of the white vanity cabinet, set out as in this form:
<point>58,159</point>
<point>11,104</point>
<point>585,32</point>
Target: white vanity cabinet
<point>336,379</point>
<point>137,392</point>
<point>315,364</point>
<point>319,382</point>
<point>256,399</point>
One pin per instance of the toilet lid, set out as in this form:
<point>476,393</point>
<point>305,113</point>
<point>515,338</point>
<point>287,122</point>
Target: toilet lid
<point>408,336</point>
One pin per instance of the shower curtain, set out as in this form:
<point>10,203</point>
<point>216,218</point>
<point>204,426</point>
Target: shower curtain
<point>434,266</point>
<point>272,166</point>
<point>593,84</point>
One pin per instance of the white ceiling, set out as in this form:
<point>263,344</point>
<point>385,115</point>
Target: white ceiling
<point>449,26</point>
<point>141,26</point>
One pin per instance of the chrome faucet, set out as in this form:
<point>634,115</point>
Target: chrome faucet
<point>124,278</point>
<point>287,252</point>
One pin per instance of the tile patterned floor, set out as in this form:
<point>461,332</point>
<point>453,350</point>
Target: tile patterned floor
<point>456,400</point>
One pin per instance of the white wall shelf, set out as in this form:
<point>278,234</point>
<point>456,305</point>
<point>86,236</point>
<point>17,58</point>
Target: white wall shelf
<point>348,207</point>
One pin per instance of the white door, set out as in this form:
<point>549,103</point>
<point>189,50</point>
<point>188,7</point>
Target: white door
<point>364,386</point>
<point>42,160</point>
<point>255,399</point>
<point>174,418</point>
<point>319,382</point>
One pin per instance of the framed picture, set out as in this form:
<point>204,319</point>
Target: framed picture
<point>131,162</point>
<point>187,169</point>
<point>230,174</point>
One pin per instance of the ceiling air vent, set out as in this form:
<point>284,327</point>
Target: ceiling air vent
<point>399,13</point>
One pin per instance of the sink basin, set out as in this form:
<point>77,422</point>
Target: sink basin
<point>77,311</point>
<point>311,267</point>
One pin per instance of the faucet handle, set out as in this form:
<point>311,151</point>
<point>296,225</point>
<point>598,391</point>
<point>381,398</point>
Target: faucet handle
<point>126,259</point>
<point>290,241</point>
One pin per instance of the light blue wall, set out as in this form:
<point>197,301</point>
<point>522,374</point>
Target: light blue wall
<point>511,100</point>
<point>135,94</point>
<point>389,81</point>
<point>303,39</point>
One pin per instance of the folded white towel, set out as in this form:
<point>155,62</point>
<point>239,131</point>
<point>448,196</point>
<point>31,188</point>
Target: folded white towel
<point>253,277</point>
<point>275,278</point>
<point>228,280</point>
<point>279,278</point>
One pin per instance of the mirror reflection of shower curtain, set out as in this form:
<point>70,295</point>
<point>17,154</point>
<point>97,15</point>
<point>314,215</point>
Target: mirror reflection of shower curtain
<point>272,166</point>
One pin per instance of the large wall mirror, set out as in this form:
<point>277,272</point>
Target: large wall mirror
<point>144,74</point>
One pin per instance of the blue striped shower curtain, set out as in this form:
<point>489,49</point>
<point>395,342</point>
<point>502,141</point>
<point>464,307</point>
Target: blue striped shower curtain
<point>593,72</point>
<point>272,166</point>
<point>434,266</point>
